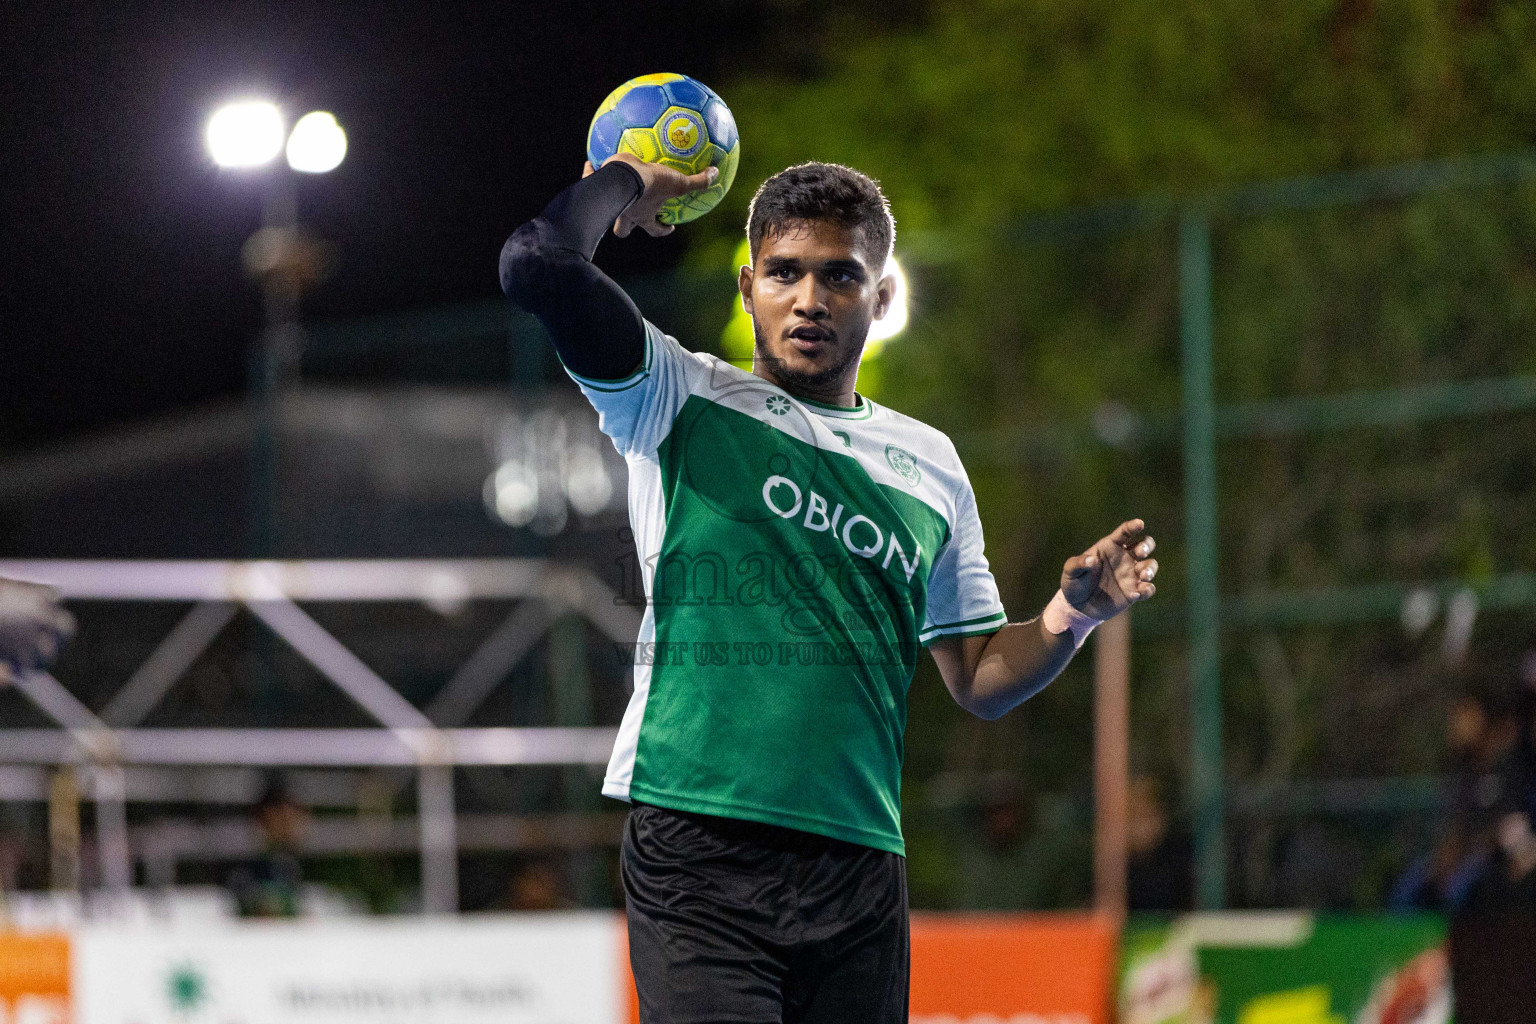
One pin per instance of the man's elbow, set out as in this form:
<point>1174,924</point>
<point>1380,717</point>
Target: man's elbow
<point>978,704</point>
<point>987,711</point>
<point>524,260</point>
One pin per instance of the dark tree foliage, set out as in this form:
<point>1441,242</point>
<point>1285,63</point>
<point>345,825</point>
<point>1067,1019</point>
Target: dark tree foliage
<point>977,114</point>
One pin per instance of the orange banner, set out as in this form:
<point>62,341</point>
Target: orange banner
<point>34,977</point>
<point>1040,968</point>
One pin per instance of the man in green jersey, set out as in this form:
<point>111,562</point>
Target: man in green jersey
<point>799,544</point>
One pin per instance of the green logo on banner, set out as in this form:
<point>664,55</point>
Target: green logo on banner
<point>186,987</point>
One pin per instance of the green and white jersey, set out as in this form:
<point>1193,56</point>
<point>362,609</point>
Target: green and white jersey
<point>795,556</point>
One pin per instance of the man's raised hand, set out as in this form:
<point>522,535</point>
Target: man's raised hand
<point>659,183</point>
<point>1113,574</point>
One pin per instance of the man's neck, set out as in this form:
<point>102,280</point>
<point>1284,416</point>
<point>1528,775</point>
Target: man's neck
<point>839,392</point>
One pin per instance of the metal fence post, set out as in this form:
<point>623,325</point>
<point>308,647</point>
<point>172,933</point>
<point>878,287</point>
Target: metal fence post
<point>1111,762</point>
<point>570,678</point>
<point>110,787</point>
<point>439,839</point>
<point>1205,756</point>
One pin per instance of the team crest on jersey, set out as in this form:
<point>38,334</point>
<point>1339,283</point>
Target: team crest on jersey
<point>904,463</point>
<point>778,405</point>
<point>681,134</point>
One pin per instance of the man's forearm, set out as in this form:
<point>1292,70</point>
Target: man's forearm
<point>1018,662</point>
<point>546,267</point>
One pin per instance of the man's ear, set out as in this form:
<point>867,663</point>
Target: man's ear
<point>744,286</point>
<point>885,294</point>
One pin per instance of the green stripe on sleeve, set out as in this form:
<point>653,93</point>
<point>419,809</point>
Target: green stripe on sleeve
<point>620,383</point>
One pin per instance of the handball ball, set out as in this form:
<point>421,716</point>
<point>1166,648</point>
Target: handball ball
<point>672,120</point>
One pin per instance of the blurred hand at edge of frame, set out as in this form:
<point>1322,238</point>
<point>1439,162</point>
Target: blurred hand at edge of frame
<point>34,626</point>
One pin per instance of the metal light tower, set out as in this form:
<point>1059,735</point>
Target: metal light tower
<point>249,135</point>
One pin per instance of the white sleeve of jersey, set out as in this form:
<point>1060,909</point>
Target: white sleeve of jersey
<point>962,595</point>
<point>637,411</point>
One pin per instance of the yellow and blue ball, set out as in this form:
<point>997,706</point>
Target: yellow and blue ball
<point>672,120</point>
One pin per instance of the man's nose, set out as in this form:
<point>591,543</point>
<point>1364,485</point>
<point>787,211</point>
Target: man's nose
<point>810,298</point>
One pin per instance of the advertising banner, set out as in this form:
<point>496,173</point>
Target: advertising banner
<point>34,978</point>
<point>1285,968</point>
<point>1013,969</point>
<point>531,969</point>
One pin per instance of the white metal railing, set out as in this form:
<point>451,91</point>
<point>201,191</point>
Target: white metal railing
<point>433,742</point>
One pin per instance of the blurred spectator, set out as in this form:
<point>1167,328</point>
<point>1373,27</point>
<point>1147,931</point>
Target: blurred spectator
<point>1160,858</point>
<point>1483,737</point>
<point>1509,881</point>
<point>1525,742</point>
<point>537,885</point>
<point>33,626</point>
<point>268,886</point>
<point>1020,854</point>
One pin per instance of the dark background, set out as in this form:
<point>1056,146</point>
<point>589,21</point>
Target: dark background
<point>123,294</point>
<point>123,299</point>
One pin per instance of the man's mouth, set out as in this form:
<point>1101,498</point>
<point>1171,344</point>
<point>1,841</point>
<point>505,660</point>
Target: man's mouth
<point>809,336</point>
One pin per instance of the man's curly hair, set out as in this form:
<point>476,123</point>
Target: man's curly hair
<point>818,191</point>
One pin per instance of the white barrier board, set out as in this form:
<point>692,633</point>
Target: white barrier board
<point>530,969</point>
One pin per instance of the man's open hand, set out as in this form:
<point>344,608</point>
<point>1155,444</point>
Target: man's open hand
<point>660,183</point>
<point>1113,574</point>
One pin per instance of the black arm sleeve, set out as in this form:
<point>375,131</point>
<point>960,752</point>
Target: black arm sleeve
<point>546,267</point>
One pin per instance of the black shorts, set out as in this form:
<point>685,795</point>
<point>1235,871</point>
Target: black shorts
<point>732,921</point>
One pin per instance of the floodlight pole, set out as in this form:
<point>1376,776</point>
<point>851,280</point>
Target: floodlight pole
<point>1205,746</point>
<point>272,357</point>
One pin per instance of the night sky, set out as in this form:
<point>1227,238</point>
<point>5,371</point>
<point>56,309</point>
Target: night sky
<point>123,294</point>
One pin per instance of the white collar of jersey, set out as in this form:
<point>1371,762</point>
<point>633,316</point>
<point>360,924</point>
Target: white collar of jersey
<point>862,411</point>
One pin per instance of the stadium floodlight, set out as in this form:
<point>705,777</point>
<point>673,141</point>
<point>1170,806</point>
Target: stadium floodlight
<point>248,133</point>
<point>512,492</point>
<point>317,143</point>
<point>895,319</point>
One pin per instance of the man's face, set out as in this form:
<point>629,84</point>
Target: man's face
<point>812,294</point>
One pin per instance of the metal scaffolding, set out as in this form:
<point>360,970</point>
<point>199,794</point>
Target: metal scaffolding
<point>433,742</point>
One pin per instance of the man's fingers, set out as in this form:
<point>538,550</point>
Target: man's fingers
<point>1145,548</point>
<point>702,180</point>
<point>1079,566</point>
<point>1144,591</point>
<point>586,169</point>
<point>1145,571</point>
<point>655,228</point>
<point>1127,532</point>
